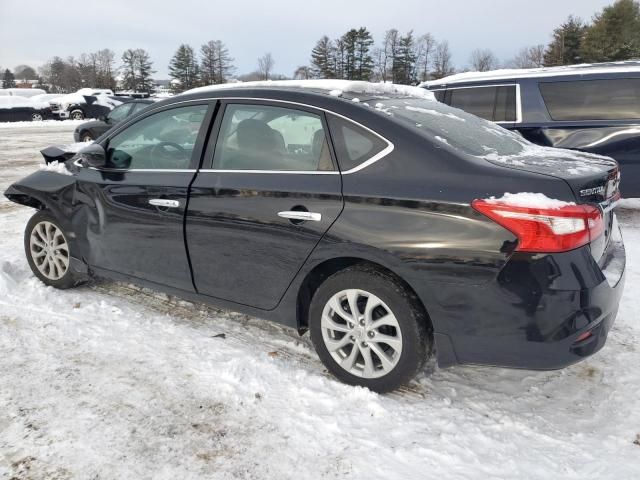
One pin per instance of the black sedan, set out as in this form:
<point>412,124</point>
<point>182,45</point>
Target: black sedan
<point>89,131</point>
<point>379,220</point>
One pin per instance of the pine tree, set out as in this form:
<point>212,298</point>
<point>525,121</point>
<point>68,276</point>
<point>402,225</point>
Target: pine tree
<point>145,71</point>
<point>8,80</point>
<point>322,59</point>
<point>348,43</point>
<point>614,34</point>
<point>404,60</point>
<point>565,47</point>
<point>363,62</point>
<point>216,65</point>
<point>137,70</point>
<point>129,70</point>
<point>184,68</point>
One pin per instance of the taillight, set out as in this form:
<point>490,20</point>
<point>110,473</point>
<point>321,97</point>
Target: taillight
<point>546,229</point>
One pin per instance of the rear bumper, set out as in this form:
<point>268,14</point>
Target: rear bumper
<point>533,315</point>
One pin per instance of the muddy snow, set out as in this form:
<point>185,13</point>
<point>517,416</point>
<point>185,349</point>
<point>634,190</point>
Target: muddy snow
<point>110,381</point>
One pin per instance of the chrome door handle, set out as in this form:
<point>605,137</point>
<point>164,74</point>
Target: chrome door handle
<point>298,215</point>
<point>163,202</point>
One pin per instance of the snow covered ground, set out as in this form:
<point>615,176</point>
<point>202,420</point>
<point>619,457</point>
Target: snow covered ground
<point>109,381</point>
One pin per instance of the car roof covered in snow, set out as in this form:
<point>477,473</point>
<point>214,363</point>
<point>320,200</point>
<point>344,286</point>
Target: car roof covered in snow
<point>626,67</point>
<point>346,89</point>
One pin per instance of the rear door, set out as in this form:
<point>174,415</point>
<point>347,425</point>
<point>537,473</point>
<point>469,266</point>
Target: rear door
<point>270,193</point>
<point>133,217</point>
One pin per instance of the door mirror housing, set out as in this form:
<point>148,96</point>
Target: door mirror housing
<point>103,118</point>
<point>94,155</point>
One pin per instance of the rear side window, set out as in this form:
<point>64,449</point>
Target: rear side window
<point>264,137</point>
<point>616,99</point>
<point>354,145</point>
<point>497,104</point>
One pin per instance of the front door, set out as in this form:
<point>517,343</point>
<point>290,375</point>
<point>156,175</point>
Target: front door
<point>256,216</point>
<point>134,210</point>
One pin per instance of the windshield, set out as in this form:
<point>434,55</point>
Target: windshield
<point>457,128</point>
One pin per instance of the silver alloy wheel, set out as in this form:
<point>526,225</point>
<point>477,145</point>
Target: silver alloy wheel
<point>361,333</point>
<point>77,115</point>
<point>36,117</point>
<point>87,138</point>
<point>49,250</point>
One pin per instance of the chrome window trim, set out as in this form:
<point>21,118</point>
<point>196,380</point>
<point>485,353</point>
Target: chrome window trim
<point>518,97</point>
<point>383,153</point>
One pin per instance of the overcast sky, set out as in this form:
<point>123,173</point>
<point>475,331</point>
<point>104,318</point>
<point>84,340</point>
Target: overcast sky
<point>32,31</point>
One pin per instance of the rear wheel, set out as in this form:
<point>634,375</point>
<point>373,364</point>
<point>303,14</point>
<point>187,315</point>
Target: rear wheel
<point>76,115</point>
<point>368,329</point>
<point>86,137</point>
<point>48,251</point>
<point>36,117</point>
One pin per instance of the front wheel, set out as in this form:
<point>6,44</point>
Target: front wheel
<point>86,137</point>
<point>36,117</point>
<point>48,251</point>
<point>77,115</point>
<point>368,329</point>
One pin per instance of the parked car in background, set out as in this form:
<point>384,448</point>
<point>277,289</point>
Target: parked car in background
<point>22,109</point>
<point>594,108</point>
<point>21,92</point>
<point>89,131</point>
<point>381,225</point>
<point>85,103</point>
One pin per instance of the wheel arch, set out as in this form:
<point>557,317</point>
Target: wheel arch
<point>319,273</point>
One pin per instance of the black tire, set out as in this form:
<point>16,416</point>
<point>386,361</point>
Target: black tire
<point>36,117</point>
<point>86,137</point>
<point>68,279</point>
<point>414,325</point>
<point>76,114</point>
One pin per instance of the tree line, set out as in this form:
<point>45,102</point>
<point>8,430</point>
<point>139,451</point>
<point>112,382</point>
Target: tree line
<point>400,57</point>
<point>612,35</point>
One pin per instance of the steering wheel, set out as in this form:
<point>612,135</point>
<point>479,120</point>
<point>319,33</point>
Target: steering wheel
<point>160,152</point>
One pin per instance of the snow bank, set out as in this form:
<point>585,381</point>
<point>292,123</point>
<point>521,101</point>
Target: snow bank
<point>334,87</point>
<point>529,199</point>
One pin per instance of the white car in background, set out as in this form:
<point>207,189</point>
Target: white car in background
<point>21,92</point>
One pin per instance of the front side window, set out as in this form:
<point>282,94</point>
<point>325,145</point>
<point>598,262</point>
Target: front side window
<point>164,140</point>
<point>616,99</point>
<point>119,113</point>
<point>262,137</point>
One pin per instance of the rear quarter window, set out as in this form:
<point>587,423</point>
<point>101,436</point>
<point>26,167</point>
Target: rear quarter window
<point>614,99</point>
<point>354,145</point>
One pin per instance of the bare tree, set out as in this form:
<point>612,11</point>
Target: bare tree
<point>265,65</point>
<point>442,61</point>
<point>528,57</point>
<point>483,60</point>
<point>425,48</point>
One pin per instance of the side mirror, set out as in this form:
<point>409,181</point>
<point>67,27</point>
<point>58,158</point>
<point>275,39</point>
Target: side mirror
<point>94,155</point>
<point>103,118</point>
